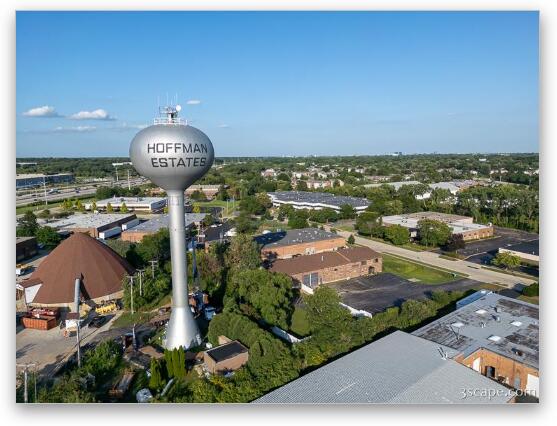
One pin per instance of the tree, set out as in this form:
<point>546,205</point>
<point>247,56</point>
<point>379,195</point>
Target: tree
<point>48,237</point>
<point>347,212</point>
<point>243,253</point>
<point>94,205</point>
<point>27,225</point>
<point>124,208</point>
<point>433,232</point>
<point>301,185</point>
<point>244,224</point>
<point>44,214</point>
<point>156,382</point>
<point>532,290</point>
<point>155,246</point>
<point>396,234</point>
<point>284,211</point>
<point>365,222</point>
<point>268,293</point>
<point>109,208</point>
<point>351,240</point>
<point>506,260</point>
<point>298,219</point>
<point>222,195</point>
<point>454,243</point>
<point>283,177</point>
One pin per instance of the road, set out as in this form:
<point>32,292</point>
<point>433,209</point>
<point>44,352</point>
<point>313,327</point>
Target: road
<point>473,270</point>
<point>28,197</point>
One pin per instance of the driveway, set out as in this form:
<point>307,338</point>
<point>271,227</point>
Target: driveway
<point>375,293</point>
<point>474,271</point>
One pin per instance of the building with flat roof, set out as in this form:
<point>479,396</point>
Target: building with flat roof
<point>528,251</point>
<point>155,224</point>
<point>398,369</point>
<point>143,204</point>
<point>316,269</point>
<point>296,242</point>
<point>39,179</point>
<point>228,357</point>
<point>317,200</point>
<point>97,225</point>
<point>494,335</point>
<point>210,191</point>
<point>463,225</point>
<point>25,247</point>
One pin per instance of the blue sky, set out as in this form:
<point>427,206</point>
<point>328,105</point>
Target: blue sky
<point>280,83</point>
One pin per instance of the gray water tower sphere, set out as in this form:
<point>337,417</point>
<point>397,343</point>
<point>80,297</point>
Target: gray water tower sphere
<point>172,156</point>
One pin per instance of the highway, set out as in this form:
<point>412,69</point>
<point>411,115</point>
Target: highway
<point>29,196</point>
<point>473,270</point>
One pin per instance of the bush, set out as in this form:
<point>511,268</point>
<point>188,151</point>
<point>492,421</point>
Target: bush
<point>300,322</point>
<point>532,290</point>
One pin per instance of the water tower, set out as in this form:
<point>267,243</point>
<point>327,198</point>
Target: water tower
<point>173,155</point>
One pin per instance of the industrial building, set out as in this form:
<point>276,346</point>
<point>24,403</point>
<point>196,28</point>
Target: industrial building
<point>140,204</point>
<point>463,225</point>
<point>494,335</point>
<point>25,247</point>
<point>100,268</point>
<point>528,251</point>
<point>317,200</point>
<point>157,223</point>
<point>316,269</point>
<point>38,179</point>
<point>296,242</point>
<point>210,191</point>
<point>229,356</point>
<point>96,225</point>
<point>397,369</point>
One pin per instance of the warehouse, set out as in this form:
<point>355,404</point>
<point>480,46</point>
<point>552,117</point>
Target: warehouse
<point>38,179</point>
<point>398,369</point>
<point>25,247</point>
<point>296,242</point>
<point>463,225</point>
<point>157,223</point>
<point>142,204</point>
<point>100,268</point>
<point>494,335</point>
<point>317,200</point>
<point>315,269</point>
<point>210,191</point>
<point>96,225</point>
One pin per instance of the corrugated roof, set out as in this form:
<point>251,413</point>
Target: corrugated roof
<point>331,259</point>
<point>101,269</point>
<point>397,369</point>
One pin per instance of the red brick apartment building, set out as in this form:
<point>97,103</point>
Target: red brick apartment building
<point>316,269</point>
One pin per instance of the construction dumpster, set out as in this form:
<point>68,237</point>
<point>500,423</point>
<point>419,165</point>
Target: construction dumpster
<point>41,323</point>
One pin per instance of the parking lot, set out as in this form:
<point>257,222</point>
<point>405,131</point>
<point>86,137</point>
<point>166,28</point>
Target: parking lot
<point>481,252</point>
<point>377,292</point>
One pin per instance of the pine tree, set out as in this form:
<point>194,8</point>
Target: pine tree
<point>155,382</point>
<point>124,208</point>
<point>169,364</point>
<point>109,208</point>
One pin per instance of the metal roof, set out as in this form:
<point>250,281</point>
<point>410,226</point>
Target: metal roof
<point>162,221</point>
<point>491,315</point>
<point>321,199</point>
<point>397,369</point>
<point>526,247</point>
<point>90,220</point>
<point>294,236</point>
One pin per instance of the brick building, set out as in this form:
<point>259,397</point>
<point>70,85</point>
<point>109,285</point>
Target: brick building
<point>25,247</point>
<point>312,270</point>
<point>297,242</point>
<point>227,357</point>
<point>494,335</point>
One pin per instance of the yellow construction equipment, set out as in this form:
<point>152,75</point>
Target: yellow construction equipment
<point>106,308</point>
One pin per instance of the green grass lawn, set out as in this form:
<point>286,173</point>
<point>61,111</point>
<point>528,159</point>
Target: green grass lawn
<point>127,319</point>
<point>218,203</point>
<point>409,269</point>
<point>51,205</point>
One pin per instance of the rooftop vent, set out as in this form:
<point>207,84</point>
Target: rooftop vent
<point>494,338</point>
<point>517,352</point>
<point>457,324</point>
<point>481,311</point>
<point>516,323</point>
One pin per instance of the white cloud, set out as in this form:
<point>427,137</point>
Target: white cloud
<point>125,126</point>
<point>223,126</point>
<point>42,111</point>
<point>76,129</point>
<point>193,102</point>
<point>98,114</point>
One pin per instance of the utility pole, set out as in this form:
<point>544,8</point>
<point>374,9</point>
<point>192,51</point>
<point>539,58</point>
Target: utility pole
<point>131,291</point>
<point>26,380</point>
<point>129,184</point>
<point>153,263</point>
<point>140,273</point>
<point>44,186</point>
